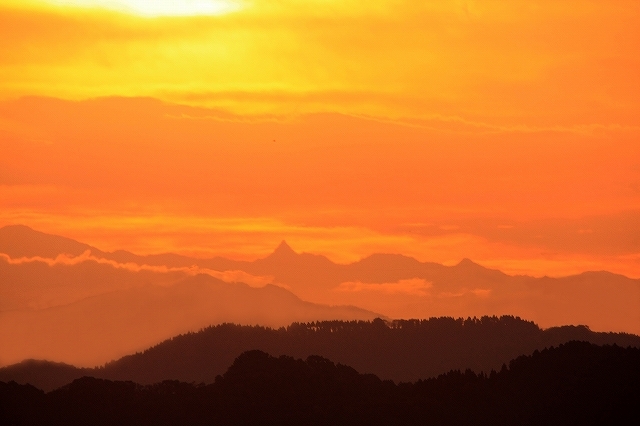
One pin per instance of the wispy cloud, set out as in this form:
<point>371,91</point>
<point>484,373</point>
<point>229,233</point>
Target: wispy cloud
<point>67,260</point>
<point>481,293</point>
<point>414,287</point>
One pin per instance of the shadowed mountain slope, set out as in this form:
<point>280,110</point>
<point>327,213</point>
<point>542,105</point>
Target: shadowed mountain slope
<point>111,324</point>
<point>402,350</point>
<point>21,241</point>
<point>575,383</point>
<point>46,375</point>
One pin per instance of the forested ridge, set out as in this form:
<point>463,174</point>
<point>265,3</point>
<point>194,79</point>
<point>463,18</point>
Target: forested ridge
<point>574,383</point>
<point>401,350</point>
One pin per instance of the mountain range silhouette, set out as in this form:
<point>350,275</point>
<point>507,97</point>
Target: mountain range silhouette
<point>86,306</point>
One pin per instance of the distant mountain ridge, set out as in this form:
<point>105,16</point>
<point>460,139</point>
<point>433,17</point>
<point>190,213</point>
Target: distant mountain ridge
<point>401,350</point>
<point>23,241</point>
<point>604,301</point>
<point>111,324</point>
<point>49,310</point>
<point>89,312</point>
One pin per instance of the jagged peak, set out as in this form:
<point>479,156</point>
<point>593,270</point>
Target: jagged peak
<point>284,249</point>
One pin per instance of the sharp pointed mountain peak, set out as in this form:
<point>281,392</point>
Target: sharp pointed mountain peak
<point>284,249</point>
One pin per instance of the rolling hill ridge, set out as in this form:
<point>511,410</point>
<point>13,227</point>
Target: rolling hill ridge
<point>401,350</point>
<point>574,383</point>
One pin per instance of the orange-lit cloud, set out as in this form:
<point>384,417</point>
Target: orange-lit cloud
<point>478,292</point>
<point>415,287</point>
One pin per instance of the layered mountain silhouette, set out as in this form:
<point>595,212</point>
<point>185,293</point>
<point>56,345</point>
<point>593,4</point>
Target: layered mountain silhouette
<point>575,383</point>
<point>400,350</point>
<point>109,325</point>
<point>54,291</point>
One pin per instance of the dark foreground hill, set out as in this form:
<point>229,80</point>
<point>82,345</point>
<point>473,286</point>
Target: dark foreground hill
<point>402,350</point>
<point>576,383</point>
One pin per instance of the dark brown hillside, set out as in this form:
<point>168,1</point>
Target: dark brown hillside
<point>576,383</point>
<point>403,350</point>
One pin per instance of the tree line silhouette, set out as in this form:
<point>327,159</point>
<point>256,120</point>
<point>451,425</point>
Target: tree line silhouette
<point>401,350</point>
<point>574,383</point>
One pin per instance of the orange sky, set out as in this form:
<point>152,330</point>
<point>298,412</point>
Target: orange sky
<point>506,132</point>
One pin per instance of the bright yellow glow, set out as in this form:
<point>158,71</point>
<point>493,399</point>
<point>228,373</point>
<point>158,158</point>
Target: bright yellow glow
<point>153,8</point>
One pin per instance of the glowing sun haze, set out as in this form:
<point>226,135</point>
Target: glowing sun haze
<point>155,8</point>
<point>506,132</point>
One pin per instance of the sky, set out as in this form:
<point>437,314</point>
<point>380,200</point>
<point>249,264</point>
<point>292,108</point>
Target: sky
<point>504,132</point>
